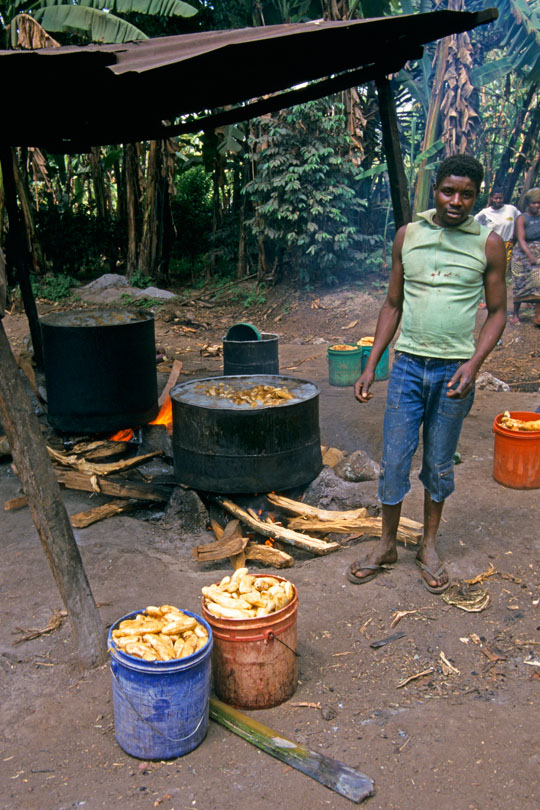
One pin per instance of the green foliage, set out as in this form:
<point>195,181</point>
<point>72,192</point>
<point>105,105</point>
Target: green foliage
<point>192,217</point>
<point>303,192</point>
<point>93,20</point>
<point>256,296</point>
<point>141,303</point>
<point>78,244</point>
<point>140,279</point>
<point>53,287</point>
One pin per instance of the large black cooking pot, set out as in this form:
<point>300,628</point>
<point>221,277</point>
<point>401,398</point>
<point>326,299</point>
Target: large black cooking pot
<point>100,369</point>
<point>222,447</point>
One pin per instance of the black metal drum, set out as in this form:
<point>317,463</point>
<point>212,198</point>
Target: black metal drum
<point>220,445</point>
<point>100,369</point>
<point>251,356</point>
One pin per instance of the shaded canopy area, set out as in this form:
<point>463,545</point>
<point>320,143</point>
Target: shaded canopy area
<point>102,94</point>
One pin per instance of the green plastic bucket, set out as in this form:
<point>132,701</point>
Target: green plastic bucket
<point>344,365</point>
<point>382,371</point>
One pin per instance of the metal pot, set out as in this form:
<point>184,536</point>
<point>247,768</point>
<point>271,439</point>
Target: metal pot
<point>222,447</point>
<point>100,369</point>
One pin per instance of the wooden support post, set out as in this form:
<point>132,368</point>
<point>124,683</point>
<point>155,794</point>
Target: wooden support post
<point>48,511</point>
<point>394,158</point>
<point>18,255</point>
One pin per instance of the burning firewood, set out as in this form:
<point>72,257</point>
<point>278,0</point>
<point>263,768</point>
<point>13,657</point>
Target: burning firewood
<point>100,449</point>
<point>248,551</point>
<point>271,529</point>
<point>229,543</point>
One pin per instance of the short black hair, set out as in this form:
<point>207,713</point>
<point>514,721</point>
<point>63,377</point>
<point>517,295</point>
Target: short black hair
<point>461,166</point>
<point>496,190</point>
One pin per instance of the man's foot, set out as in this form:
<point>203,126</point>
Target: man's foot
<point>434,574</point>
<point>513,319</point>
<point>370,566</point>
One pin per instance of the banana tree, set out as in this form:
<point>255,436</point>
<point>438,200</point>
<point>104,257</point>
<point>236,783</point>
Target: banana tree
<point>92,20</point>
<point>517,62</point>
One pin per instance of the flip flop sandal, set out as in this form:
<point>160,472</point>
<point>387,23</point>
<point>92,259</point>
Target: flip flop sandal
<point>434,575</point>
<point>375,571</point>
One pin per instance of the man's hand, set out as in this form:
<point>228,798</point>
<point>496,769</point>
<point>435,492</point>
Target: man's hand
<point>362,386</point>
<point>463,380</point>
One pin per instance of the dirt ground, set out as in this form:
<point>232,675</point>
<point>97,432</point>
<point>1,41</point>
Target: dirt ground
<point>457,739</point>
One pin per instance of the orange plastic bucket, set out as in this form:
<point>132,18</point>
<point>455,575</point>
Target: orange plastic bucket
<point>254,664</point>
<point>516,456</point>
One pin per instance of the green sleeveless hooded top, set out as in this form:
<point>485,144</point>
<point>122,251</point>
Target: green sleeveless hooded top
<point>443,283</point>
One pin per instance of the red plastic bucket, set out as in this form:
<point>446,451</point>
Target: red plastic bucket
<point>254,664</point>
<point>516,455</point>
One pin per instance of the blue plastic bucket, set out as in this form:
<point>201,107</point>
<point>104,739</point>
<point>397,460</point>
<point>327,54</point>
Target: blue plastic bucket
<point>382,370</point>
<point>161,708</point>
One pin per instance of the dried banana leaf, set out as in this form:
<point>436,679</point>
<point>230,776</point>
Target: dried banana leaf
<point>463,596</point>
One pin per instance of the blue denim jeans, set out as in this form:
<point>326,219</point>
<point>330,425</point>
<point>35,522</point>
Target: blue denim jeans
<point>417,397</point>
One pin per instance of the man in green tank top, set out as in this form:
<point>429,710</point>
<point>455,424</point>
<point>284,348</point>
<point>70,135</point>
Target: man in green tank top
<point>441,266</point>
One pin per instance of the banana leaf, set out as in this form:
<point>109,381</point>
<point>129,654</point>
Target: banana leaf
<point>155,8</point>
<point>99,26</point>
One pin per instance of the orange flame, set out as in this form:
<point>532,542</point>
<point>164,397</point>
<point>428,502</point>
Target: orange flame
<point>164,416</point>
<point>122,436</point>
<point>269,542</point>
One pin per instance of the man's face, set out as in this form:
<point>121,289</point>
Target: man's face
<point>454,200</point>
<point>497,201</point>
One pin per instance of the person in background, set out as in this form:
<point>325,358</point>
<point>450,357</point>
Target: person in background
<point>441,264</point>
<point>526,258</point>
<point>500,217</point>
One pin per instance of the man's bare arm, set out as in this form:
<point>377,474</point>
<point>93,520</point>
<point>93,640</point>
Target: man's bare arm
<point>388,321</point>
<point>495,294</point>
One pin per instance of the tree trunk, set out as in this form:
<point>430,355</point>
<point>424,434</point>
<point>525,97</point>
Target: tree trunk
<point>131,180</point>
<point>528,148</point>
<point>47,509</point>
<point>17,253</point>
<point>39,264</point>
<point>99,182</point>
<point>150,233</point>
<point>423,180</point>
<point>510,151</point>
<point>529,180</point>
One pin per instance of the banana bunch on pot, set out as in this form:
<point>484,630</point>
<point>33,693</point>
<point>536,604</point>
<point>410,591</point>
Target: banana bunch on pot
<point>245,596</point>
<point>160,634</point>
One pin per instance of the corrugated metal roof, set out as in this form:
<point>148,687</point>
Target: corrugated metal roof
<point>69,98</point>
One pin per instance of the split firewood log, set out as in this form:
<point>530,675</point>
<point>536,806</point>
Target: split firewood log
<point>100,469</point>
<point>324,521</point>
<point>229,543</point>
<point>293,507</point>
<point>120,487</point>
<point>89,516</point>
<point>268,555</point>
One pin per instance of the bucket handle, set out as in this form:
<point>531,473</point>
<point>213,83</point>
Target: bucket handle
<point>268,635</point>
<point>151,725</point>
<point>276,638</point>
